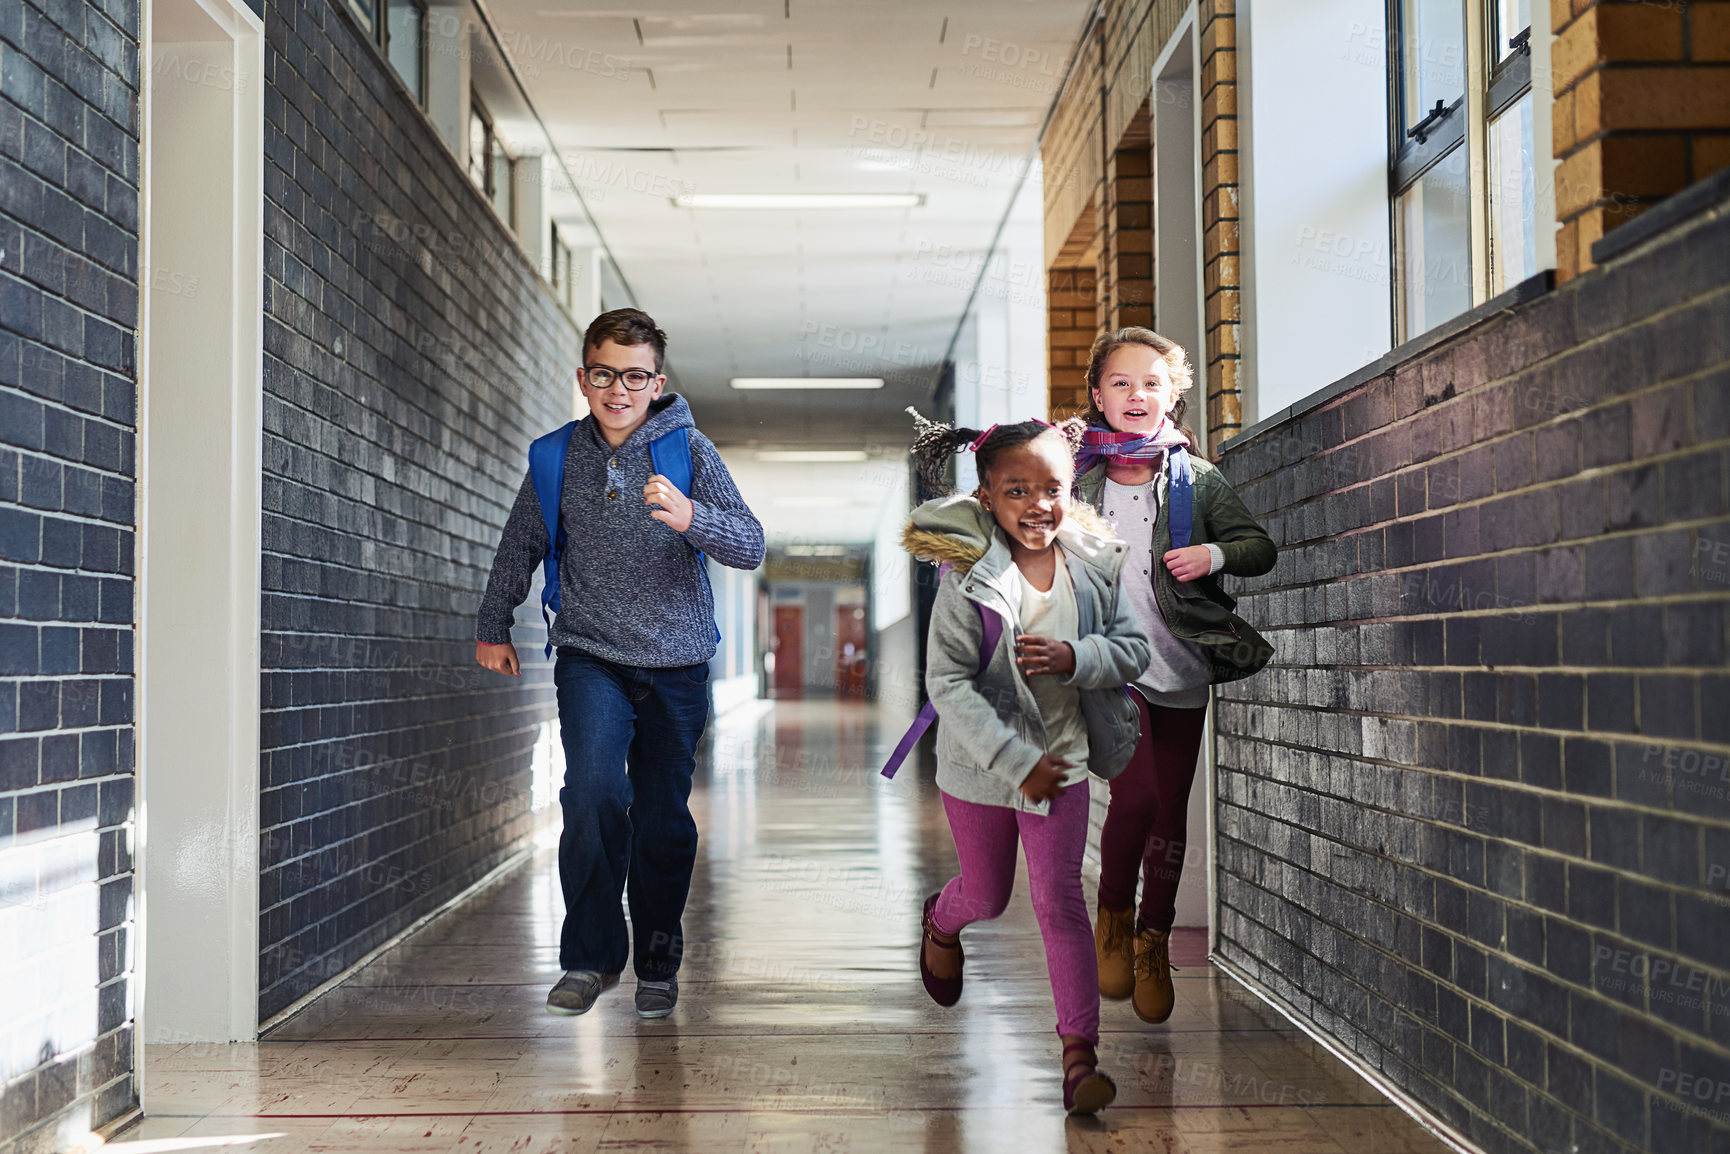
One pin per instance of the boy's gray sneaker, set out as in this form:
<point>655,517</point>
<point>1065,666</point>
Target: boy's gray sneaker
<point>576,992</point>
<point>657,999</point>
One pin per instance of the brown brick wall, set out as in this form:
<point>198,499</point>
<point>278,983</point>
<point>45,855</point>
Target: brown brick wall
<point>1642,109</point>
<point>1219,215</point>
<point>1073,324</point>
<point>1126,231</point>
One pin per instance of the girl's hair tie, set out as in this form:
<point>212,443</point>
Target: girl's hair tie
<point>980,439</point>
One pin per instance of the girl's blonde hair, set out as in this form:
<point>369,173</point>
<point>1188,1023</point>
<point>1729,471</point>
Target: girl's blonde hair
<point>1177,367</point>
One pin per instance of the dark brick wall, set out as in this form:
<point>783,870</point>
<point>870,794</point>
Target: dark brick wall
<point>1474,821</point>
<point>69,77</point>
<point>411,354</point>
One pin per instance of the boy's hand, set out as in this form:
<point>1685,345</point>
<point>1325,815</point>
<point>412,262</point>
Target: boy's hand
<point>498,658</point>
<point>1189,563</point>
<point>675,508</point>
<point>1045,781</point>
<point>1042,655</point>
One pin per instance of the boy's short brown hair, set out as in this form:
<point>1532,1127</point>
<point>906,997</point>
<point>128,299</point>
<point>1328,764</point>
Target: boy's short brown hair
<point>625,327</point>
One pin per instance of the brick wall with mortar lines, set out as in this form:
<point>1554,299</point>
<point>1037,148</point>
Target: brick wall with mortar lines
<point>1217,87</point>
<point>411,354</point>
<point>1475,818</point>
<point>69,170</point>
<point>1642,109</point>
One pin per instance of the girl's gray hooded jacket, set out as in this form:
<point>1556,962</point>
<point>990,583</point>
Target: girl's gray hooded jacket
<point>989,732</point>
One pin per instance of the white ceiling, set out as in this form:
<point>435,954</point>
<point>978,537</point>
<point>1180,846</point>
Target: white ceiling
<point>796,96</point>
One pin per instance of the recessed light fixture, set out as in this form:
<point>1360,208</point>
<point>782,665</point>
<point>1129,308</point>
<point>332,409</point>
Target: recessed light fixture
<point>813,456</point>
<point>796,200</point>
<point>807,382</point>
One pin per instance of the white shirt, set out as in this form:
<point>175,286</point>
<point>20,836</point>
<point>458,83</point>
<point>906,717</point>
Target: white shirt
<point>1053,614</point>
<point>1177,675</point>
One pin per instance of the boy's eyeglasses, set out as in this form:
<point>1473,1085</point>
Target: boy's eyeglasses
<point>601,377</point>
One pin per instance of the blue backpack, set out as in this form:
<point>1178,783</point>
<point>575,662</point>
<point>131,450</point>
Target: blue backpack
<point>670,454</point>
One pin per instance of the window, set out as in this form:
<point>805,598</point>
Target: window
<point>405,43</point>
<point>561,265</point>
<point>366,11</point>
<point>1512,159</point>
<point>1454,99</point>
<point>398,28</point>
<point>1432,223</point>
<point>490,163</point>
<point>480,144</point>
<point>501,185</point>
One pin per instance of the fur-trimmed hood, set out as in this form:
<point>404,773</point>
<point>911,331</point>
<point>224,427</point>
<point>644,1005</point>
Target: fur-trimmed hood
<point>957,531</point>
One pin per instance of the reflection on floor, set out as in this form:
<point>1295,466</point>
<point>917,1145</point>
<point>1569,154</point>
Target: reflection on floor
<point>802,1024</point>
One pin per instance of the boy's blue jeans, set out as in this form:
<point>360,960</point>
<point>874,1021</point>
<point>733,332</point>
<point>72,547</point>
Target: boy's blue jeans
<point>630,736</point>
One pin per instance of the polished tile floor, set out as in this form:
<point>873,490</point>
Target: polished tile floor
<point>802,1024</point>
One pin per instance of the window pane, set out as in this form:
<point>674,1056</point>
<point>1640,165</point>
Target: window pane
<point>1433,55</point>
<point>503,185</point>
<point>404,18</point>
<point>479,146</point>
<point>367,12</point>
<point>1513,238</point>
<point>1512,18</point>
<point>1434,239</point>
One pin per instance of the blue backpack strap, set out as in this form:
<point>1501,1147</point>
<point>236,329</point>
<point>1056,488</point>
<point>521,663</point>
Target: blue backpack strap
<point>991,629</point>
<point>1181,495</point>
<point>547,472</point>
<point>670,455</point>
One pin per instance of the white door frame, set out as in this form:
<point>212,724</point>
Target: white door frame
<point>200,374</point>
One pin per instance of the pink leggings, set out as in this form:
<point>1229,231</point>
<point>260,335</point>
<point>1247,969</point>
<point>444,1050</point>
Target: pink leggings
<point>1147,823</point>
<point>985,837</point>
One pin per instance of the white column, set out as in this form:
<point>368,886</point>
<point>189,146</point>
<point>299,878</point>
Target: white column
<point>198,543</point>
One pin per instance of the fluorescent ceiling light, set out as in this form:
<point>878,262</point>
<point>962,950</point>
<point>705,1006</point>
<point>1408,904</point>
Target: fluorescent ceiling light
<point>816,550</point>
<point>800,200</point>
<point>807,382</point>
<point>813,456</point>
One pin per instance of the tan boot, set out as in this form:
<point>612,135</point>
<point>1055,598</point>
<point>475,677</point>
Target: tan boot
<point>1153,993</point>
<point>1114,942</point>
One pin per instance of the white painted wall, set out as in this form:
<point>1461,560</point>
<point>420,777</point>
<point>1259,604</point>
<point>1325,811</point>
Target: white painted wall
<point>1313,162</point>
<point>1000,370</point>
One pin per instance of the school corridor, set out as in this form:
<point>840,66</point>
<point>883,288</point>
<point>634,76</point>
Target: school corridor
<point>801,1025</point>
<point>288,288</point>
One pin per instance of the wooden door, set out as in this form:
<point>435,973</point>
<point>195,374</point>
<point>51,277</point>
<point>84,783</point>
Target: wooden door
<point>788,645</point>
<point>850,651</point>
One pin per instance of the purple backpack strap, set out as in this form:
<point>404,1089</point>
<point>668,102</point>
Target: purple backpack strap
<point>991,626</point>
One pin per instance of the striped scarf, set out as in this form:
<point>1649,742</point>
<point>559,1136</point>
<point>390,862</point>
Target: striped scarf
<point>1100,444</point>
<point>1103,444</point>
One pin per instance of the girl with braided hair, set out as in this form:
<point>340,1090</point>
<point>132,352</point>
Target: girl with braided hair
<point>1029,649</point>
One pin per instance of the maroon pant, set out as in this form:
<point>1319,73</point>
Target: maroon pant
<point>1148,818</point>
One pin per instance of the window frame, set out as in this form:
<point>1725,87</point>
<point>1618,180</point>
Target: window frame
<point>419,91</point>
<point>1490,90</point>
<point>484,163</point>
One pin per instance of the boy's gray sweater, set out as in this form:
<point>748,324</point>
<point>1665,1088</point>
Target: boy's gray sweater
<point>631,589</point>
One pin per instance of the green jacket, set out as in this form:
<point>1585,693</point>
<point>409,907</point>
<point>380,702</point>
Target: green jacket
<point>1201,611</point>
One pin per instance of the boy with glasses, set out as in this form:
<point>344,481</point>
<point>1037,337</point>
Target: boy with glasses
<point>635,629</point>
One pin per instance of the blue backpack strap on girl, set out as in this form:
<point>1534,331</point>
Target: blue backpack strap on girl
<point>1181,497</point>
<point>991,629</point>
<point>670,455</point>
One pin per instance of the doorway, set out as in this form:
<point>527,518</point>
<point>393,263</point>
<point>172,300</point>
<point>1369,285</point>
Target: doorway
<point>850,651</point>
<point>199,449</point>
<point>788,646</point>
